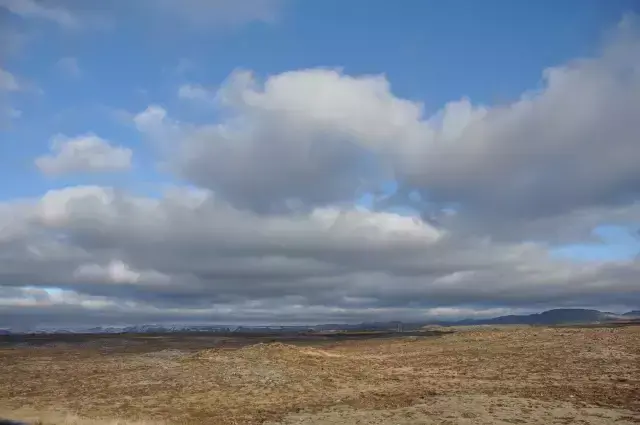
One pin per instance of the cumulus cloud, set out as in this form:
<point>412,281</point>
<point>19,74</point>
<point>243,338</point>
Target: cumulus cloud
<point>305,135</point>
<point>318,136</point>
<point>571,145</point>
<point>86,153</point>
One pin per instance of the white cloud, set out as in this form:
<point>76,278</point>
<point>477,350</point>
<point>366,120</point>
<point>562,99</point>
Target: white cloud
<point>84,154</point>
<point>317,136</point>
<point>41,10</point>
<point>304,133</point>
<point>69,67</point>
<point>571,145</point>
<point>190,14</point>
<point>14,113</point>
<point>117,272</point>
<point>7,115</point>
<point>67,15</point>
<point>196,92</point>
<point>8,82</point>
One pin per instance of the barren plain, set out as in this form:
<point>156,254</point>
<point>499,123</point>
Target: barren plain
<point>522,375</point>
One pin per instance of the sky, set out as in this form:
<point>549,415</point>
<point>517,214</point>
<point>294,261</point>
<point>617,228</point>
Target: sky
<point>290,161</point>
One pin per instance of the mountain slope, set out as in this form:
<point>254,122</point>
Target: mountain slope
<point>550,317</point>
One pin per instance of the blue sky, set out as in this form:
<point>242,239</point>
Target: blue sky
<point>91,68</point>
<point>615,243</point>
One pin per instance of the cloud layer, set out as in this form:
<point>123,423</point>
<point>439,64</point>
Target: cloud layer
<point>196,257</point>
<point>268,229</point>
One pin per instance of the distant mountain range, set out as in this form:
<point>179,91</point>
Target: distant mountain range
<point>550,317</point>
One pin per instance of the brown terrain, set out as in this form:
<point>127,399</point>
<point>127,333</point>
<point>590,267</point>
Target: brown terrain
<point>519,375</point>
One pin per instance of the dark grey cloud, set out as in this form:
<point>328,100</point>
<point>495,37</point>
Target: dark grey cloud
<point>194,257</point>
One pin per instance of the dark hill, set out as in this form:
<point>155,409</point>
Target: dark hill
<point>550,317</point>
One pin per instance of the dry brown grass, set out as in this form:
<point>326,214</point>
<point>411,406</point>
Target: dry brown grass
<point>517,375</point>
<point>59,418</point>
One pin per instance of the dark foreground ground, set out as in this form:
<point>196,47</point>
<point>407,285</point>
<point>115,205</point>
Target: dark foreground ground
<point>515,375</point>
